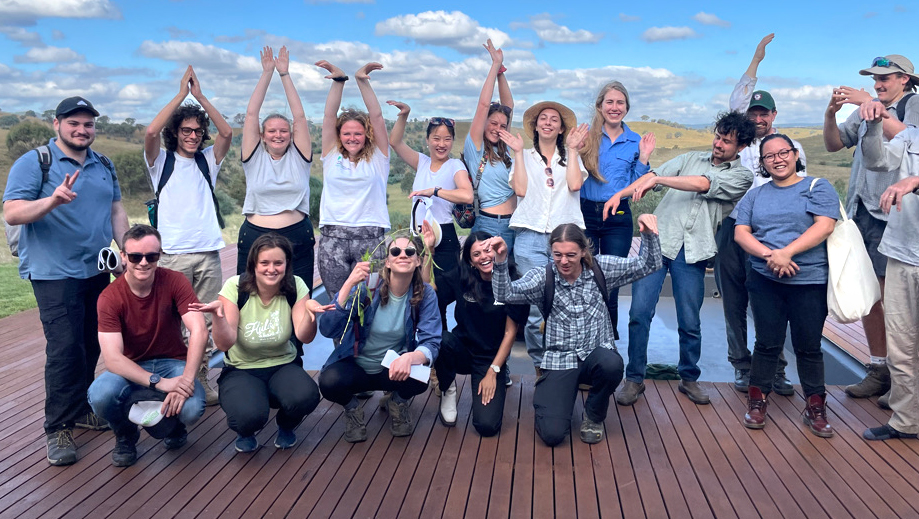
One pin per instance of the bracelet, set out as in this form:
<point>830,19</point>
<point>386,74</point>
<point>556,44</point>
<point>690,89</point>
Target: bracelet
<point>284,74</point>
<point>341,79</point>
<point>502,70</point>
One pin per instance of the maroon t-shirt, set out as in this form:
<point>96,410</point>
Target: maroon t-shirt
<point>151,326</point>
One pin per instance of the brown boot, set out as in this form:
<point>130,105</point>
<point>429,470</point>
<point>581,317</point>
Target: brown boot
<point>815,416</point>
<point>875,383</point>
<point>756,409</point>
<point>211,397</point>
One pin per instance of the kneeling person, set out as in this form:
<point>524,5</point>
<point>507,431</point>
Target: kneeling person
<point>140,333</point>
<point>578,345</point>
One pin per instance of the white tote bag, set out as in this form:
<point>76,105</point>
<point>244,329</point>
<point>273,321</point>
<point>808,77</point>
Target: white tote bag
<point>852,288</point>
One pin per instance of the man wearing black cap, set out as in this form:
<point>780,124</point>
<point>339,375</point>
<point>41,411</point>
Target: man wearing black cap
<point>894,81</point>
<point>60,239</point>
<point>731,261</point>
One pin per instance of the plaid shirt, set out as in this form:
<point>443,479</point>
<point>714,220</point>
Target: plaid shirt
<point>579,321</point>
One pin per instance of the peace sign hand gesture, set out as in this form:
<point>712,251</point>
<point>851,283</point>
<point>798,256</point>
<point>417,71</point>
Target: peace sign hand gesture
<point>64,194</point>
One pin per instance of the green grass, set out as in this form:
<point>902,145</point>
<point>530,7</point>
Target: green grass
<point>15,293</point>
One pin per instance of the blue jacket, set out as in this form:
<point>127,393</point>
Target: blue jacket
<point>334,324</point>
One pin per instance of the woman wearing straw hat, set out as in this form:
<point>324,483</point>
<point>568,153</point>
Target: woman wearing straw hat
<point>547,177</point>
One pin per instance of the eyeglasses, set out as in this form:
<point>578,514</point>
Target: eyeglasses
<point>549,181</point>
<point>498,107</point>
<point>884,62</point>
<point>396,251</point>
<point>438,121</point>
<point>186,131</point>
<point>135,257</point>
<point>781,154</point>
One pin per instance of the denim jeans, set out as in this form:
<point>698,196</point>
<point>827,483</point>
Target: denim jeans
<point>109,392</point>
<point>532,251</point>
<point>611,237</point>
<point>776,306</point>
<point>688,281</point>
<point>67,308</point>
<point>731,267</point>
<point>496,227</point>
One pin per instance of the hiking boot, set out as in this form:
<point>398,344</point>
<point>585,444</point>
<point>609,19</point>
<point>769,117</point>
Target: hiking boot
<point>433,382</point>
<point>742,380</point>
<point>694,391</point>
<point>629,392</point>
<point>384,400</point>
<point>448,406</point>
<point>92,422</point>
<point>756,409</point>
<point>875,383</point>
<point>884,401</point>
<point>781,385</point>
<point>815,416</point>
<point>211,397</point>
<point>125,452</point>
<point>285,439</point>
<point>246,443</point>
<point>591,431</point>
<point>886,432</point>
<point>177,438</point>
<point>401,417</point>
<point>355,430</point>
<point>62,450</point>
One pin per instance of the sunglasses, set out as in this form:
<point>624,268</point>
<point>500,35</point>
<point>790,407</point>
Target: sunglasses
<point>438,121</point>
<point>186,131</point>
<point>498,107</point>
<point>549,181</point>
<point>884,62</point>
<point>135,257</point>
<point>396,251</point>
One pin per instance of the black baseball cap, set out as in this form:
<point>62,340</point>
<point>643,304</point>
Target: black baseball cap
<point>75,104</point>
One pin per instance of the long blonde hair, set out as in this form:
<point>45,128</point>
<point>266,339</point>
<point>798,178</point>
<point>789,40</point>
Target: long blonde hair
<point>590,153</point>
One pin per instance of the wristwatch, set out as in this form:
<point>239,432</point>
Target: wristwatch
<point>495,368</point>
<point>154,380</point>
<point>436,189</point>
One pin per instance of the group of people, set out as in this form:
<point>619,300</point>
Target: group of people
<point>547,252</point>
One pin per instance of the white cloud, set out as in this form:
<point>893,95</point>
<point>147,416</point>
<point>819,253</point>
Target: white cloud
<point>454,29</point>
<point>710,19</point>
<point>668,33</point>
<point>549,31</point>
<point>22,36</point>
<point>58,35</point>
<point>628,18</point>
<point>48,54</point>
<point>27,11</point>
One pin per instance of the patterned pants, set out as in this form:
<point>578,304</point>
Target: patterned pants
<point>341,248</point>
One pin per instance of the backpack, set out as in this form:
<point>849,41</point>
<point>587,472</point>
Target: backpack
<point>901,106</point>
<point>168,167</point>
<point>549,294</point>
<point>44,162</point>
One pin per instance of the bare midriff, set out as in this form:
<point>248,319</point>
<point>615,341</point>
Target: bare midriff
<point>276,221</point>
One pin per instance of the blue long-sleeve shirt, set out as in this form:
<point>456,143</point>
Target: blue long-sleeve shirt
<point>618,163</point>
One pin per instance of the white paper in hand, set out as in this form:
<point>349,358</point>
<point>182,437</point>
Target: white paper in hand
<point>419,372</point>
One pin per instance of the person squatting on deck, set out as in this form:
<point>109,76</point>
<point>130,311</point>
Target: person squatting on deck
<point>578,345</point>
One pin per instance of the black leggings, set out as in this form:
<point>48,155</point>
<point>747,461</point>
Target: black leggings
<point>453,358</point>
<point>344,379</point>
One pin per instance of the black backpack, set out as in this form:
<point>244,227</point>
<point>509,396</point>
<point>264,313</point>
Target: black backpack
<point>168,167</point>
<point>901,106</point>
<point>549,295</point>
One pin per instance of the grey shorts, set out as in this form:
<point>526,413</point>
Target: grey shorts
<point>872,231</point>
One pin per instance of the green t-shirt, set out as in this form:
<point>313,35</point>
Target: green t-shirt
<point>263,334</point>
<point>387,332</point>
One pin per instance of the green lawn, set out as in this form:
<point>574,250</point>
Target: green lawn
<point>15,293</point>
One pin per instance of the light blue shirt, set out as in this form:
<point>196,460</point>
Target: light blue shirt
<point>494,188</point>
<point>65,242</point>
<point>618,164</point>
<point>386,331</point>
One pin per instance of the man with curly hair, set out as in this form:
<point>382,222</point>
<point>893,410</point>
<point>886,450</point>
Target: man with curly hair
<point>184,176</point>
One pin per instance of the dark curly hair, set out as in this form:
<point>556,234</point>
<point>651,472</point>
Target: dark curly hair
<point>799,166</point>
<point>744,129</point>
<point>187,111</point>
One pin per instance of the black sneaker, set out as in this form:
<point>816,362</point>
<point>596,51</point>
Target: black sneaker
<point>781,385</point>
<point>62,450</point>
<point>91,421</point>
<point>177,438</point>
<point>125,452</point>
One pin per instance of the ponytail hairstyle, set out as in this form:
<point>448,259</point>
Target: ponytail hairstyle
<point>569,232</point>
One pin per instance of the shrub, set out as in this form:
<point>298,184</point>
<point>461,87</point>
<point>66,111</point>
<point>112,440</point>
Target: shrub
<point>27,135</point>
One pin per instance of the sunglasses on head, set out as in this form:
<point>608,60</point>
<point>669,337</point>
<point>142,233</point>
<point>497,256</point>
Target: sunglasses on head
<point>884,62</point>
<point>498,107</point>
<point>135,257</point>
<point>396,251</point>
<point>438,121</point>
<point>186,131</point>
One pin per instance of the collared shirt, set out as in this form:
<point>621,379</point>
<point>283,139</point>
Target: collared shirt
<point>618,163</point>
<point>544,208</point>
<point>687,219</point>
<point>901,154</point>
<point>867,186</point>
<point>579,321</point>
<point>65,242</point>
<point>749,156</point>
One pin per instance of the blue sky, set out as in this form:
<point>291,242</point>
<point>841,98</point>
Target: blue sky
<point>678,60</point>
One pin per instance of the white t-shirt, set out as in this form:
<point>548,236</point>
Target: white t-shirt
<point>186,218</point>
<point>354,194</point>
<point>444,178</point>
<point>544,208</point>
<point>275,186</point>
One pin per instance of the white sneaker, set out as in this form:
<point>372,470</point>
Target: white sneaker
<point>448,406</point>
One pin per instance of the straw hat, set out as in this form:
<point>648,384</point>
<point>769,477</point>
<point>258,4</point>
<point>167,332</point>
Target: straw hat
<point>533,112</point>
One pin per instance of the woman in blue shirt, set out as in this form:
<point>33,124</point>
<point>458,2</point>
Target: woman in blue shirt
<point>783,225</point>
<point>615,156</point>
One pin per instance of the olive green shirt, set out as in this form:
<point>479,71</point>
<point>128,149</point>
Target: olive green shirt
<point>687,219</point>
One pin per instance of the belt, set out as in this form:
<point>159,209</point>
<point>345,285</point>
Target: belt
<point>496,216</point>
